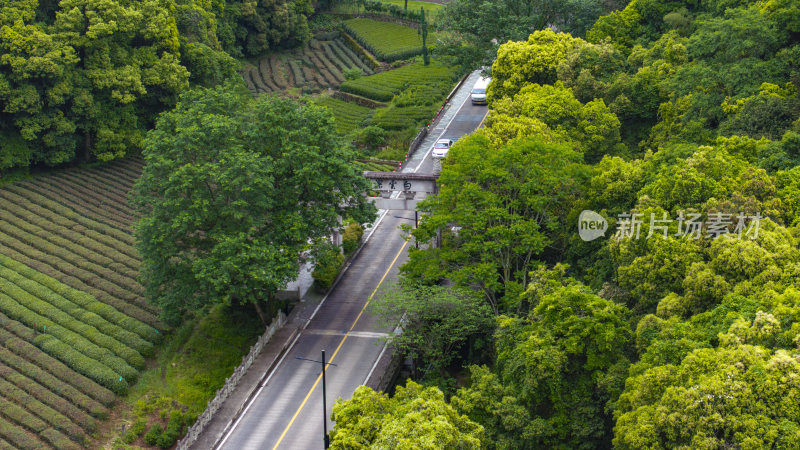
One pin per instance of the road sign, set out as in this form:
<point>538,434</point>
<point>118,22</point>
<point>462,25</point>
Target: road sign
<point>404,182</point>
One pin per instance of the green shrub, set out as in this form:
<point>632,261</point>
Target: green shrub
<point>54,418</point>
<point>84,344</point>
<point>70,315</point>
<point>79,279</point>
<point>58,440</point>
<point>371,137</point>
<point>385,85</point>
<point>360,52</point>
<point>82,364</point>
<point>60,214</point>
<point>153,434</point>
<point>329,262</point>
<point>377,6</point>
<point>351,238</point>
<point>41,394</point>
<point>353,73</point>
<point>68,254</point>
<point>424,94</point>
<point>322,22</point>
<point>173,430</point>
<point>65,237</point>
<point>398,118</point>
<point>17,436</point>
<point>348,116</point>
<point>21,416</point>
<point>136,430</point>
<point>380,94</point>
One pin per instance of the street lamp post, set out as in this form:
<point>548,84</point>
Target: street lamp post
<point>324,406</point>
<point>326,439</point>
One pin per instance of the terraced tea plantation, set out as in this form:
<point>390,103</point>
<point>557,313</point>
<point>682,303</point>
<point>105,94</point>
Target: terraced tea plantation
<point>387,41</point>
<point>385,85</point>
<point>317,66</point>
<point>348,116</point>
<point>74,326</point>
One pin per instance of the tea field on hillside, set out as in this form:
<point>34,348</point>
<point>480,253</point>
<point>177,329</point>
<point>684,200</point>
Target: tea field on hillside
<point>386,40</point>
<point>74,327</point>
<point>317,66</point>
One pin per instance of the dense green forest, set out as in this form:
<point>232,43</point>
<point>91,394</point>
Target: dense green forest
<point>667,114</point>
<point>85,79</point>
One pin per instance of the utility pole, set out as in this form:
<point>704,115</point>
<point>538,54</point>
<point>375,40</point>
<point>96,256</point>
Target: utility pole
<point>326,438</point>
<point>423,30</point>
<point>416,225</point>
<point>324,406</point>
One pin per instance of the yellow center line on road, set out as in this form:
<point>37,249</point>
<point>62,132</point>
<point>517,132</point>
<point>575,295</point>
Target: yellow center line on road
<point>484,118</point>
<point>369,299</point>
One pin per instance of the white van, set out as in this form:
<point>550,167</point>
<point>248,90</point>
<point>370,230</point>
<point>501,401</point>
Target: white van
<point>478,94</point>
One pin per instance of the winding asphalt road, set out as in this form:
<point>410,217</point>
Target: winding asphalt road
<point>287,412</point>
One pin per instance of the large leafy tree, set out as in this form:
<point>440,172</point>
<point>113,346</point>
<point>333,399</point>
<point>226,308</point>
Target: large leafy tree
<point>481,26</point>
<point>263,25</point>
<point>128,70</point>
<point>532,60</point>
<point>90,79</point>
<point>740,397</point>
<point>507,204</point>
<point>593,127</point>
<point>414,418</point>
<point>33,90</point>
<point>559,370</point>
<point>85,79</point>
<point>233,192</point>
<point>438,323</point>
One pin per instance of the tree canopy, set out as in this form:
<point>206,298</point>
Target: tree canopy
<point>438,323</point>
<point>414,418</point>
<point>508,203</point>
<point>727,397</point>
<point>481,26</point>
<point>559,370</point>
<point>234,190</point>
<point>83,80</point>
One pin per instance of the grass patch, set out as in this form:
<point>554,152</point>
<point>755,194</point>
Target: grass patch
<point>387,41</point>
<point>197,358</point>
<point>191,365</point>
